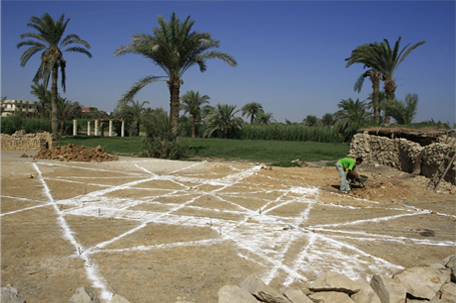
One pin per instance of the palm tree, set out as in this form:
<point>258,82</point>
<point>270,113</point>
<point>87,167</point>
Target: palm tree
<point>192,103</point>
<point>327,120</point>
<point>364,54</point>
<point>311,120</point>
<point>387,60</point>
<point>136,111</point>
<point>251,110</point>
<point>174,48</point>
<point>221,118</point>
<point>264,118</point>
<point>44,96</point>
<point>404,112</point>
<point>67,110</point>
<point>49,40</point>
<point>351,116</point>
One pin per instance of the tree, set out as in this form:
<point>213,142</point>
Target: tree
<point>404,112</point>
<point>264,118</point>
<point>49,40</point>
<point>132,112</point>
<point>351,116</point>
<point>192,103</point>
<point>136,111</point>
<point>387,60</point>
<point>327,120</point>
<point>251,110</point>
<point>221,118</point>
<point>174,48</point>
<point>44,96</point>
<point>311,120</point>
<point>67,110</point>
<point>364,54</point>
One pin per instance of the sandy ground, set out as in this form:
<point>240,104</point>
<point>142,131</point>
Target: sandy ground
<point>161,231</point>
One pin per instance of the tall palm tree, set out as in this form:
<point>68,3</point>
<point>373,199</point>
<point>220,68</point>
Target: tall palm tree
<point>192,103</point>
<point>174,48</point>
<point>364,54</point>
<point>49,40</point>
<point>351,116</point>
<point>387,60</point>
<point>251,110</point>
<point>221,118</point>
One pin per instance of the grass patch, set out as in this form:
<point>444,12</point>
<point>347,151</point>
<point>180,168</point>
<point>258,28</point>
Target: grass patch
<point>280,153</point>
<point>123,146</point>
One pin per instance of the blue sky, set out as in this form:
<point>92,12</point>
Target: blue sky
<point>290,54</point>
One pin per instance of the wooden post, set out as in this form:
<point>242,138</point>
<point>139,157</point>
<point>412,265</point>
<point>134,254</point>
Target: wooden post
<point>110,128</point>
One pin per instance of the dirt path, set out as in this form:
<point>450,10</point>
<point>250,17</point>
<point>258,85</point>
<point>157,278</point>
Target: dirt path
<point>161,231</point>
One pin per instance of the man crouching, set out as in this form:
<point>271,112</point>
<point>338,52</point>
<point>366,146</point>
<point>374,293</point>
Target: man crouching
<point>347,166</point>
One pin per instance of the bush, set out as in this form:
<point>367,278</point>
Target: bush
<point>11,124</point>
<point>161,141</point>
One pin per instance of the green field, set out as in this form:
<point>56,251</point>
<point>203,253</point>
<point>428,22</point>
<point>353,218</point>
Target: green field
<point>279,152</point>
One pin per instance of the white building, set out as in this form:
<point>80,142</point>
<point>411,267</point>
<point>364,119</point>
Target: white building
<point>11,107</point>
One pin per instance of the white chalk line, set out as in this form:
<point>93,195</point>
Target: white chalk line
<point>92,271</point>
<point>103,244</point>
<point>25,209</point>
<point>209,242</point>
<point>226,182</point>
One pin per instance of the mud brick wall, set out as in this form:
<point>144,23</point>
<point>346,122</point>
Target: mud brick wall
<point>22,142</point>
<point>404,155</point>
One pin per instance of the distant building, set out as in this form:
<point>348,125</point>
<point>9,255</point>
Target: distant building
<point>11,107</point>
<point>88,109</point>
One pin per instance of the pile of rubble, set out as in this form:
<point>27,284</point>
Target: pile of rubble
<point>72,152</point>
<point>434,283</point>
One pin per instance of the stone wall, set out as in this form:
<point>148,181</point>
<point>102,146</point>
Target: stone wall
<point>22,142</point>
<point>404,155</point>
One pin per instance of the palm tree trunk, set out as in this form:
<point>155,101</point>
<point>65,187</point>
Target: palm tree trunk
<point>193,126</point>
<point>390,89</point>
<point>54,100</point>
<point>375,77</point>
<point>42,108</point>
<point>174,89</point>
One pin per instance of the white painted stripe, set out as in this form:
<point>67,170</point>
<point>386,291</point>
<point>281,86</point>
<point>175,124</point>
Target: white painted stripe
<point>91,269</point>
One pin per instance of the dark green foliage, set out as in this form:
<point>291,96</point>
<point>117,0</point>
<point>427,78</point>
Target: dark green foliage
<point>292,132</point>
<point>161,141</point>
<point>11,124</point>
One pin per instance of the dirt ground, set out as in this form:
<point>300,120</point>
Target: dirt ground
<point>161,231</point>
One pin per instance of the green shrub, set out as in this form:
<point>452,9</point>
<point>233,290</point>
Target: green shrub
<point>161,141</point>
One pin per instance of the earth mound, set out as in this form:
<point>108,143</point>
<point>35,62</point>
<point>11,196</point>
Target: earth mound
<point>72,152</point>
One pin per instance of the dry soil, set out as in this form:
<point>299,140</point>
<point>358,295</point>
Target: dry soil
<point>161,231</point>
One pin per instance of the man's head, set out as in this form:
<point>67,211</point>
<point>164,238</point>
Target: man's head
<point>359,160</point>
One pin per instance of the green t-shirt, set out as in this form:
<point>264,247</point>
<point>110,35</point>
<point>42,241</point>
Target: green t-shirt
<point>348,163</point>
